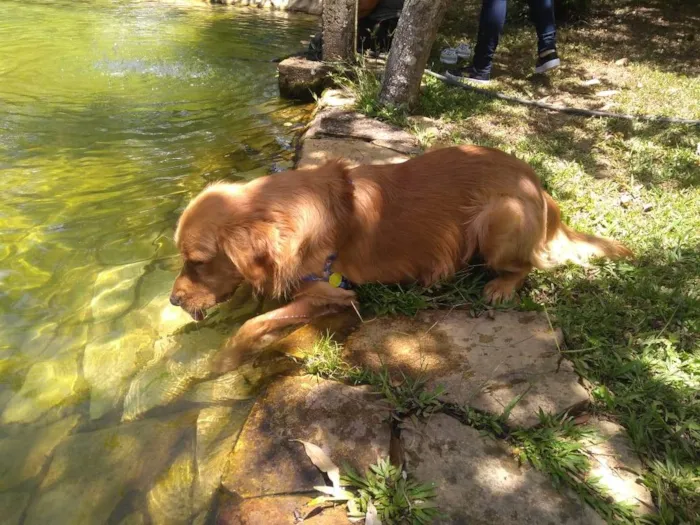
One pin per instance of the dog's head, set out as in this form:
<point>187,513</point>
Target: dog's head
<point>268,232</point>
<point>221,246</point>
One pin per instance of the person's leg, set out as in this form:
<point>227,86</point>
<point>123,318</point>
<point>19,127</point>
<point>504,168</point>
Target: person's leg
<point>365,28</point>
<point>542,16</point>
<point>491,20</point>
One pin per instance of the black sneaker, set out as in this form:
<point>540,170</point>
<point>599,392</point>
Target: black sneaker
<point>468,75</point>
<point>547,60</point>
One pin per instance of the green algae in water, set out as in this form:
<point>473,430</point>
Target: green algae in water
<point>113,114</point>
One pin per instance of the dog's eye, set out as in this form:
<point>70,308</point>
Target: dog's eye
<point>196,263</point>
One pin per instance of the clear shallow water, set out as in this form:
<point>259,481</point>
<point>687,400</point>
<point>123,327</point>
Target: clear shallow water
<point>113,114</point>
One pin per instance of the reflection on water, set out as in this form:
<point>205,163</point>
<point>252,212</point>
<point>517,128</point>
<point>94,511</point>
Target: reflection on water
<point>113,113</point>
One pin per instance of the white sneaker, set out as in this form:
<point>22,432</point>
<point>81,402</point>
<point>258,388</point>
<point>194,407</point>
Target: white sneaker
<point>449,56</point>
<point>463,50</point>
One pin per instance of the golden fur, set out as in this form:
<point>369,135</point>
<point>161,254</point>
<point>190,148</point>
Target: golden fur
<point>420,220</point>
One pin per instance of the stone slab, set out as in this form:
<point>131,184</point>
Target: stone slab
<point>618,466</point>
<point>302,79</point>
<point>317,152</point>
<point>478,482</point>
<point>278,510</point>
<point>483,362</point>
<point>344,123</point>
<point>348,423</point>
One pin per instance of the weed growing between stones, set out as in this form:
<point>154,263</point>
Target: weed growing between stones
<point>556,447</point>
<point>396,496</point>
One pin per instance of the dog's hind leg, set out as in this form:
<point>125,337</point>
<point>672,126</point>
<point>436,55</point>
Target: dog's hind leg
<point>509,231</point>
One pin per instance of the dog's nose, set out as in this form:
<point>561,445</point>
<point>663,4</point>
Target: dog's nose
<point>175,300</point>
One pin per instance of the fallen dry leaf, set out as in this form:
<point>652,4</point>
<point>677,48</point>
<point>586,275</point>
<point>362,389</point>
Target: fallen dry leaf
<point>622,62</point>
<point>371,517</point>
<point>607,93</point>
<point>591,82</point>
<point>322,462</point>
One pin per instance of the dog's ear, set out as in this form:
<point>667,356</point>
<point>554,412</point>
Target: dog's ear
<point>251,248</point>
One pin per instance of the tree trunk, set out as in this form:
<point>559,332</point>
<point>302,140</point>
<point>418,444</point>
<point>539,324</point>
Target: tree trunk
<point>414,37</point>
<point>339,28</point>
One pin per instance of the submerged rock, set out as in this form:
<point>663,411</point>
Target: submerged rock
<point>115,290</point>
<point>170,499</point>
<point>91,472</point>
<point>23,455</point>
<point>12,505</point>
<point>135,518</point>
<point>108,364</point>
<point>178,363</point>
<point>47,385</point>
<point>240,384</point>
<point>217,431</point>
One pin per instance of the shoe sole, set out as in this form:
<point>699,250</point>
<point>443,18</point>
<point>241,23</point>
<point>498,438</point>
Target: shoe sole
<point>548,65</point>
<point>463,80</point>
<point>451,61</point>
<point>464,56</point>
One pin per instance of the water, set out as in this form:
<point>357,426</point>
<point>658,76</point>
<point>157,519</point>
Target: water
<point>113,114</point>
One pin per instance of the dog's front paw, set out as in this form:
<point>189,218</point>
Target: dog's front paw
<point>232,355</point>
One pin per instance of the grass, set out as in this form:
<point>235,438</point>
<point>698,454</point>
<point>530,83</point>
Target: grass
<point>408,397</point>
<point>631,328</point>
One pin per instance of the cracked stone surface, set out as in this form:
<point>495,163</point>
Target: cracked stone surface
<point>279,510</point>
<point>316,152</point>
<point>482,362</point>
<point>348,423</point>
<point>337,132</point>
<point>618,466</point>
<point>478,482</point>
<point>339,122</point>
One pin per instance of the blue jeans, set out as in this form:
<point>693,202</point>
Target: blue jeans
<point>493,16</point>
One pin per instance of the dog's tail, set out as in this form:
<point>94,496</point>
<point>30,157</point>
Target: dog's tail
<point>564,244</point>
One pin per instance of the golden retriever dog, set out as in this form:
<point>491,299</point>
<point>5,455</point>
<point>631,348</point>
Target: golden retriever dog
<point>306,234</point>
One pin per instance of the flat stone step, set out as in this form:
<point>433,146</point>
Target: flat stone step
<point>278,510</point>
<point>348,423</point>
<point>483,362</point>
<point>478,482</point>
<point>338,132</point>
